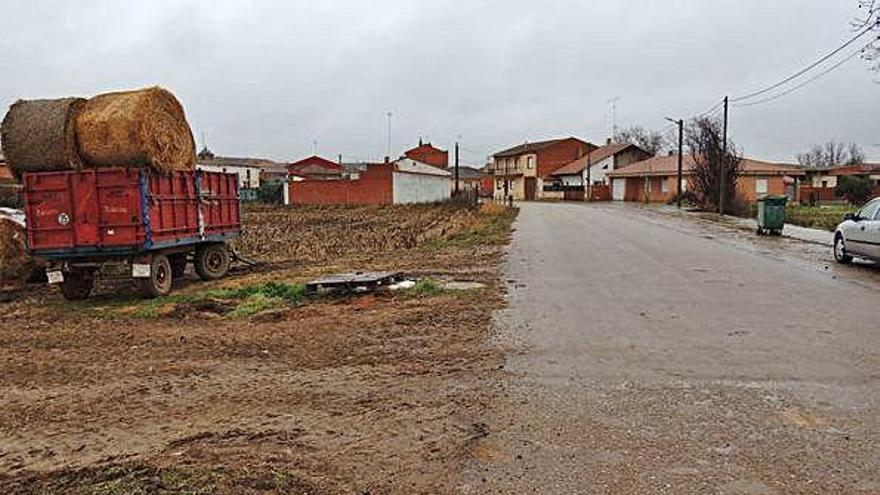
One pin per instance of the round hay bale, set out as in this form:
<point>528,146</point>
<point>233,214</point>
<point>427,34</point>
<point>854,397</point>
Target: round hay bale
<point>134,129</point>
<point>39,135</point>
<point>15,265</point>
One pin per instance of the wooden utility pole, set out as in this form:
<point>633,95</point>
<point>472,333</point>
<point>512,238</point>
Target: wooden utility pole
<point>589,186</point>
<point>456,167</point>
<point>723,175</point>
<point>680,160</point>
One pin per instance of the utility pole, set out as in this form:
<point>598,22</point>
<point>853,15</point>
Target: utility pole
<point>723,174</point>
<point>680,124</point>
<point>456,168</point>
<point>389,134</point>
<point>589,186</point>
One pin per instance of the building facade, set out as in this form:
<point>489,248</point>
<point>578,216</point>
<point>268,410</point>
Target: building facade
<point>520,172</point>
<point>426,153</point>
<point>590,173</point>
<point>655,180</point>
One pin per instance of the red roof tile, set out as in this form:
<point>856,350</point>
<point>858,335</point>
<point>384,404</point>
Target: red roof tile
<point>596,156</point>
<point>668,165</point>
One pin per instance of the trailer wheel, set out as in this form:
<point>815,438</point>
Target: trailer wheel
<point>178,265</point>
<point>78,284</point>
<point>212,261</point>
<point>159,282</point>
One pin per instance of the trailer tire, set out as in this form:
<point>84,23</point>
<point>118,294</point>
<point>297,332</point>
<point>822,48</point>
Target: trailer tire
<point>158,284</point>
<point>212,261</point>
<point>77,285</point>
<point>178,265</point>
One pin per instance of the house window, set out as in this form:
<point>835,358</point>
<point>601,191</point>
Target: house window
<point>529,163</point>
<point>761,186</point>
<point>664,185</point>
<point>825,183</point>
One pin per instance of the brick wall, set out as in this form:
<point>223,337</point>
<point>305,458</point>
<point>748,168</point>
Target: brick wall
<point>429,155</point>
<point>374,187</point>
<point>554,157</point>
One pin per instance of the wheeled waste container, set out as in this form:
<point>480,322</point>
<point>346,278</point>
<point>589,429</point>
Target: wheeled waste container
<point>771,214</point>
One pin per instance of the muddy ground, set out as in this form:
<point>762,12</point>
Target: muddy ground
<point>353,394</point>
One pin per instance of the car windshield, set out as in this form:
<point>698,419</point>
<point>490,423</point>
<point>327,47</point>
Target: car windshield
<point>869,211</point>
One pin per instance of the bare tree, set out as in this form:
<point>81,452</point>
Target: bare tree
<point>651,141</point>
<point>705,141</point>
<point>832,154</point>
<point>869,15</point>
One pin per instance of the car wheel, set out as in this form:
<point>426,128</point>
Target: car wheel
<point>840,250</point>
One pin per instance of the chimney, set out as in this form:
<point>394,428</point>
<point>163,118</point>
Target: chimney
<point>387,159</point>
<point>608,142</point>
<point>671,153</point>
<point>420,142</point>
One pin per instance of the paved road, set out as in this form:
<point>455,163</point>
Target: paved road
<point>652,354</point>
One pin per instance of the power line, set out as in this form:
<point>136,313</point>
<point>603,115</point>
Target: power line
<point>805,70</point>
<point>808,81</point>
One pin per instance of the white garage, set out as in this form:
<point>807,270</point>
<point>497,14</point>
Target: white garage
<point>416,182</point>
<point>618,189</point>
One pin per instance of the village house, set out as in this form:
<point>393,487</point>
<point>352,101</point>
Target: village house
<point>570,180</point>
<point>428,154</point>
<point>250,171</point>
<point>404,181</point>
<point>314,167</point>
<point>520,171</point>
<point>469,179</point>
<point>654,180</point>
<point>820,183</point>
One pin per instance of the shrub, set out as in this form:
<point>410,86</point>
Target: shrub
<point>856,190</point>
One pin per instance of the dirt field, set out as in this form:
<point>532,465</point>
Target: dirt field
<point>206,393</point>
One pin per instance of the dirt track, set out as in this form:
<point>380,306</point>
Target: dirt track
<point>369,394</point>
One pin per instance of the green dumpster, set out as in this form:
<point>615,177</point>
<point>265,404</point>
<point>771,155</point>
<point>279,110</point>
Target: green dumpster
<point>771,214</point>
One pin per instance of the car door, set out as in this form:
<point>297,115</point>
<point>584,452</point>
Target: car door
<point>872,234</point>
<point>861,238</point>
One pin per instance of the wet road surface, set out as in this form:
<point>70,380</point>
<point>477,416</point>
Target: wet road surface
<point>659,353</point>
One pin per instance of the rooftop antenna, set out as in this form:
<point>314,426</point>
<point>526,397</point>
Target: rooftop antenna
<point>315,147</point>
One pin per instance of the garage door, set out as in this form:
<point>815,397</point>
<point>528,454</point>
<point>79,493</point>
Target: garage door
<point>618,189</point>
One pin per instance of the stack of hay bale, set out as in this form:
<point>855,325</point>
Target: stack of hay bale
<point>141,128</point>
<point>145,127</point>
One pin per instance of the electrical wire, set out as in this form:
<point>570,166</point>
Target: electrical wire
<point>808,81</point>
<point>805,70</point>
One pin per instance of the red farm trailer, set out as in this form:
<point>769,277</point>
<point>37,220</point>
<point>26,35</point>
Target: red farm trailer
<point>155,222</point>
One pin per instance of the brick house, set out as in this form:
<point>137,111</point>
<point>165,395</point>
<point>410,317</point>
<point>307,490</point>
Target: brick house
<point>250,171</point>
<point>405,181</point>
<point>571,178</point>
<point>427,153</point>
<point>521,171</point>
<point>654,180</point>
<point>820,183</point>
<point>314,167</point>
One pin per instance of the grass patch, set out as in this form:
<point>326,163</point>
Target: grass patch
<point>137,479</point>
<point>826,217</point>
<point>492,229</point>
<point>252,300</point>
<point>425,287</point>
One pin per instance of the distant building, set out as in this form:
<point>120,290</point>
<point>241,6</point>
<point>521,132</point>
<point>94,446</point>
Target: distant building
<point>251,171</point>
<point>470,178</point>
<point>522,170</point>
<point>428,154</point>
<point>821,182</point>
<point>315,167</point>
<point>405,181</point>
<point>592,169</point>
<point>655,180</point>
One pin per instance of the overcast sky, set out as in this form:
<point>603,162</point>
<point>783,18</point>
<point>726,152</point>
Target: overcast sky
<point>263,78</point>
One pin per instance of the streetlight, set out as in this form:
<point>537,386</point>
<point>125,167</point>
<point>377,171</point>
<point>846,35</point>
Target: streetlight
<point>680,124</point>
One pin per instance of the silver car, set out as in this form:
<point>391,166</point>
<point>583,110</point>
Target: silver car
<point>859,234</point>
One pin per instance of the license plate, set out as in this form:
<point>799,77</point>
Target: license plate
<point>139,270</point>
<point>55,277</point>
